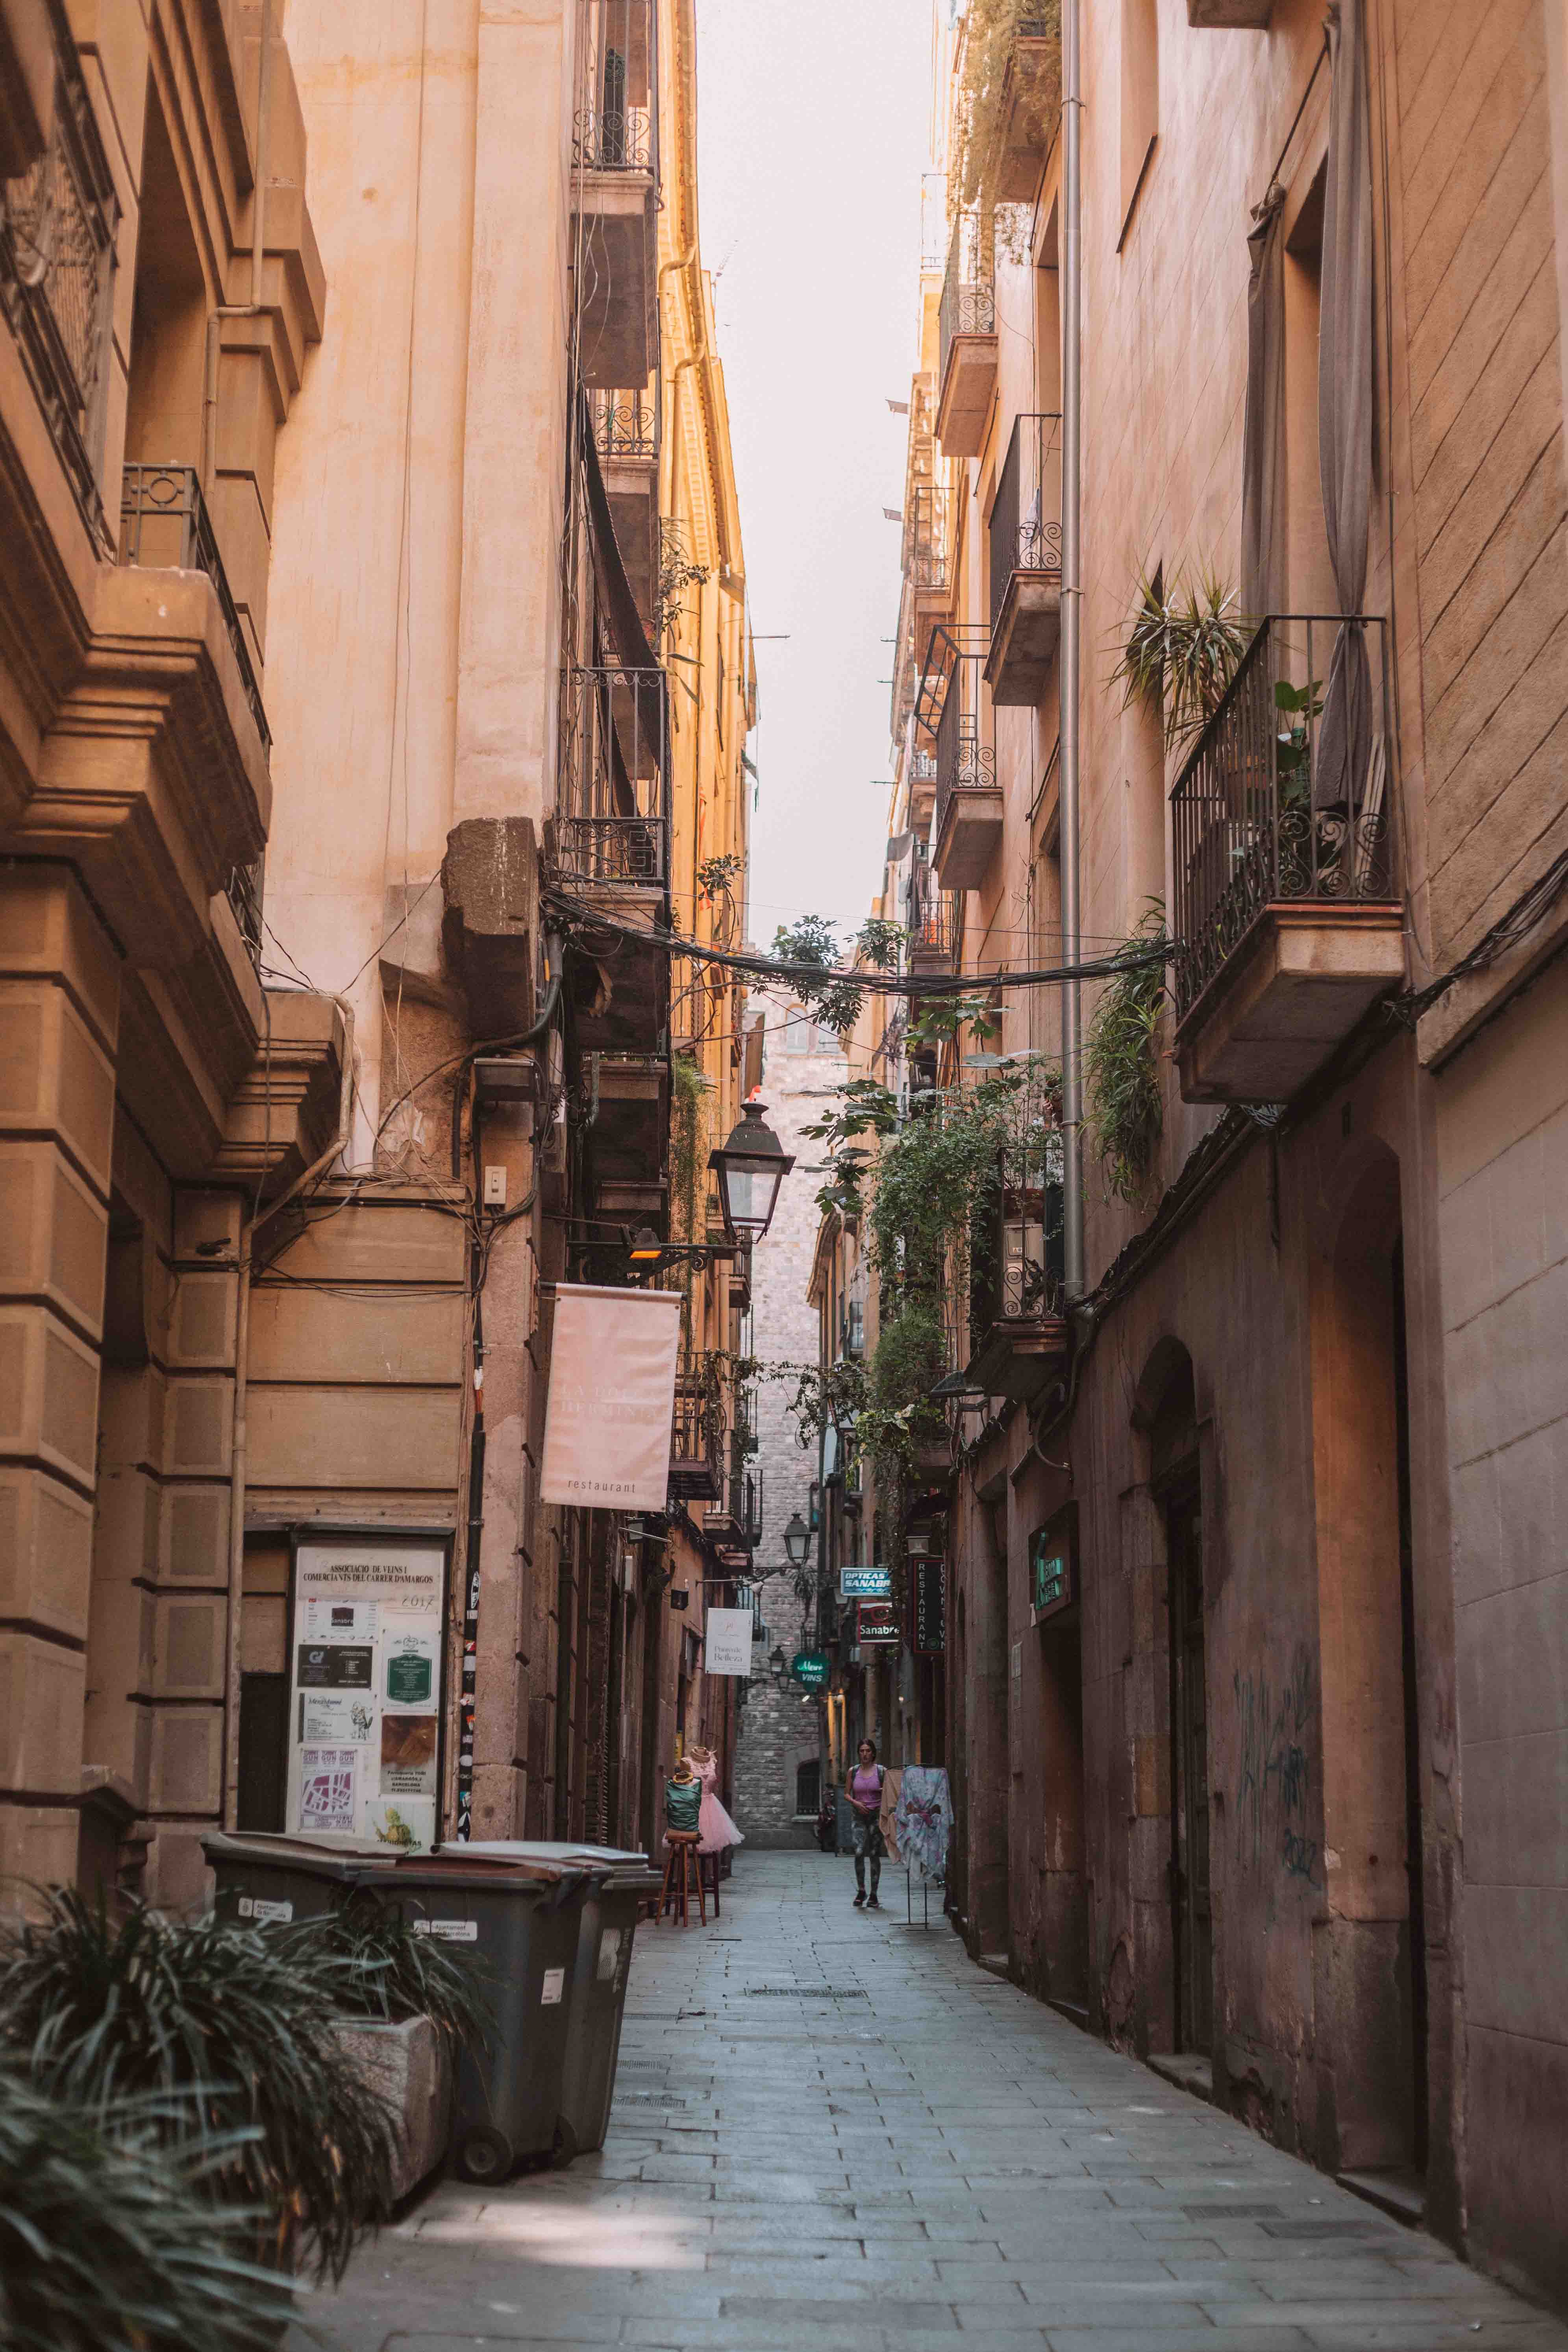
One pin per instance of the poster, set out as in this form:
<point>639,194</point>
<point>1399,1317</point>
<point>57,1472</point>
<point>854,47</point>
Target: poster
<point>607,1423</point>
<point>727,1641</point>
<point>365,1715</point>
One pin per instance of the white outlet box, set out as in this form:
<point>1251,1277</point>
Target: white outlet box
<point>495,1188</point>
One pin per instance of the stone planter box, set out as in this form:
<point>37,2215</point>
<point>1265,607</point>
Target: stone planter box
<point>411,2065</point>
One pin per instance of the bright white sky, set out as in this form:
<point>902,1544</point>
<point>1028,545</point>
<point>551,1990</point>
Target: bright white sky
<point>812,118</point>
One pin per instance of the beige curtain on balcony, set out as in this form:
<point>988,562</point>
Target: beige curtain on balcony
<point>1264,433</point>
<point>1345,405</point>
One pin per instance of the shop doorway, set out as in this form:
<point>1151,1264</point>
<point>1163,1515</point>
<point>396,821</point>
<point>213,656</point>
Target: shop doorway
<point>1191,1910</point>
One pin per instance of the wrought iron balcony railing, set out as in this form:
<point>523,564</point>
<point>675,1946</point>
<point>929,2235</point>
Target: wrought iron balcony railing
<point>1026,514</point>
<point>1287,796</point>
<point>163,520</point>
<point>697,1439</point>
<point>968,290</point>
<point>933,932</point>
<point>243,891</point>
<point>923,767</point>
<point>625,424</point>
<point>966,761</point>
<point>58,220</point>
<point>616,129</point>
<point>614,825</point>
<point>926,537</point>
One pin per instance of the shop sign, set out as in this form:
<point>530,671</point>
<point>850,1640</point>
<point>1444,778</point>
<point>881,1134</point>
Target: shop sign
<point>1053,1565</point>
<point>875,1621</point>
<point>727,1641</point>
<point>364,1702</point>
<point>612,1398</point>
<point>865,1584</point>
<point>928,1606</point>
<point>809,1667</point>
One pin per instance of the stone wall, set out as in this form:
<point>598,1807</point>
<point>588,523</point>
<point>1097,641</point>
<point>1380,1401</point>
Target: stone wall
<point>779,1731</point>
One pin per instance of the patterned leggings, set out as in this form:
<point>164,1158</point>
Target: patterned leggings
<point>868,1844</point>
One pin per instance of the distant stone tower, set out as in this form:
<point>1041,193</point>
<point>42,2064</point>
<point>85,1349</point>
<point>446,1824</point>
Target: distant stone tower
<point>777,1779</point>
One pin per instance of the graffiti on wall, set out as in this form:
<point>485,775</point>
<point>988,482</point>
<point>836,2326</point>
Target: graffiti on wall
<point>1275,1771</point>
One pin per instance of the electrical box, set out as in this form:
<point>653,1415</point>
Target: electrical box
<point>495,1188</point>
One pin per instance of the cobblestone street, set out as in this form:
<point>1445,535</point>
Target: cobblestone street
<point>831,2129</point>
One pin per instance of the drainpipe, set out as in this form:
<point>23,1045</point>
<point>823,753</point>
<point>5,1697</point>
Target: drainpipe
<point>1072,639</point>
<point>253,308</point>
<point>248,1234</point>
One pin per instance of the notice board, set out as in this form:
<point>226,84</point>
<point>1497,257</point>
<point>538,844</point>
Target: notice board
<point>365,1670</point>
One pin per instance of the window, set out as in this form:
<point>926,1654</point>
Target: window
<point>1140,99</point>
<point>808,1787</point>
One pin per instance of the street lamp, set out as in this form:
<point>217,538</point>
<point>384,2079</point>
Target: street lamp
<point>750,1168</point>
<point>777,1662</point>
<point>796,1540</point>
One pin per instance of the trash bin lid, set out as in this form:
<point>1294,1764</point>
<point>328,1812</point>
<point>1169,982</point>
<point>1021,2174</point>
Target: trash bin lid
<point>546,1850</point>
<point>327,1853</point>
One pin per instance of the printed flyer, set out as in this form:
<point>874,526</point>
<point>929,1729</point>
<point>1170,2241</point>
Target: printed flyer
<point>364,1716</point>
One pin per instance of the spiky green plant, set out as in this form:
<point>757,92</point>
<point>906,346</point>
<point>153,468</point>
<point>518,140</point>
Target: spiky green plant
<point>108,2238</point>
<point>1121,1066</point>
<point>383,1968</point>
<point>98,2008</point>
<point>1180,651</point>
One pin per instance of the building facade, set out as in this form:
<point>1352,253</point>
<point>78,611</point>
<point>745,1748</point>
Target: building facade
<point>1253,1633</point>
<point>379,683</point>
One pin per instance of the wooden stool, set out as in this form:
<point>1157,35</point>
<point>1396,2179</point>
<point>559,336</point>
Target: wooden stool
<point>677,1873</point>
<point>707,1865</point>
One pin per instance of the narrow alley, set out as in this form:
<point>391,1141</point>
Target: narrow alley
<point>832,2128</point>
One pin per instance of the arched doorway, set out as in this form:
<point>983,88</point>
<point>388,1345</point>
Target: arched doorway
<point>1375,2030</point>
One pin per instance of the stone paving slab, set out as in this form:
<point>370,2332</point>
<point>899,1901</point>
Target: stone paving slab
<point>944,2163</point>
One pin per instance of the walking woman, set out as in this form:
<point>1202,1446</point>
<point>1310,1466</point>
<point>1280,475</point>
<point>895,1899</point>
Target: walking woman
<point>864,1791</point>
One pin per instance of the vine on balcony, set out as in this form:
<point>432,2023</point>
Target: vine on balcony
<point>1121,1067</point>
<point>988,91</point>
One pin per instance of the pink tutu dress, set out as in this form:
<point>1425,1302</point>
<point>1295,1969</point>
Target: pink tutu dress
<point>718,1829</point>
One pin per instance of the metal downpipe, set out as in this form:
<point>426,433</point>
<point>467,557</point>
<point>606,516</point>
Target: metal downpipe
<point>1071,655</point>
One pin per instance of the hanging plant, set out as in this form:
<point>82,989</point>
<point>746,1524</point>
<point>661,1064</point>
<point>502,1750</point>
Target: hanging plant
<point>1121,1067</point>
<point>989,92</point>
<point>1181,651</point>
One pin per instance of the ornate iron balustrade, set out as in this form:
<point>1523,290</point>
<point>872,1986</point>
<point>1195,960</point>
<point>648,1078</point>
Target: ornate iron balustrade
<point>964,760</point>
<point>697,1439</point>
<point>163,520</point>
<point>933,932</point>
<point>614,825</point>
<point>968,290</point>
<point>923,767</point>
<point>1266,812</point>
<point>59,221</point>
<point>617,129</point>
<point>625,424</point>
<point>925,538</point>
<point>1025,516</point>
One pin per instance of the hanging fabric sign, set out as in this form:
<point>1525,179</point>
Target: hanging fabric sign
<point>612,1398</point>
<point>727,1641</point>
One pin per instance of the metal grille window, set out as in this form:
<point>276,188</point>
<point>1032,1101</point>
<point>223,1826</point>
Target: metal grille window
<point>615,821</point>
<point>57,225</point>
<point>1264,811</point>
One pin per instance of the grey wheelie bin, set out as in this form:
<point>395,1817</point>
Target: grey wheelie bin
<point>515,1920</point>
<point>619,1883</point>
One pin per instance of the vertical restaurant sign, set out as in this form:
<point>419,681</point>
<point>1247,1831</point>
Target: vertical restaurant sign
<point>928,1606</point>
<point>727,1641</point>
<point>365,1700</point>
<point>612,1398</point>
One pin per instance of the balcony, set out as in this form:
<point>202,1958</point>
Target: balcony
<point>968,818</point>
<point>1286,886</point>
<point>733,1523</point>
<point>1017,1325</point>
<point>968,325</point>
<point>608,848</point>
<point>1248,16</point>
<point>933,937</point>
<point>1030,108</point>
<point>614,194</point>
<point>626,1137</point>
<point>164,524</point>
<point>58,218</point>
<point>696,1440</point>
<point>1026,565</point>
<point>625,436</point>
